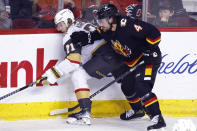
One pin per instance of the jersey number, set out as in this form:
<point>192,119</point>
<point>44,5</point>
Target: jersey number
<point>70,48</point>
<point>138,28</point>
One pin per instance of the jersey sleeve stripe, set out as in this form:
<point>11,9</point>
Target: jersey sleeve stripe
<point>133,62</point>
<point>56,73</point>
<point>97,47</point>
<point>99,31</point>
<point>74,58</point>
<point>151,41</point>
<point>82,89</point>
<point>76,62</point>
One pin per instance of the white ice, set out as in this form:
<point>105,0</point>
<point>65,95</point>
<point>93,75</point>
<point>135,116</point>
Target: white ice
<point>98,124</point>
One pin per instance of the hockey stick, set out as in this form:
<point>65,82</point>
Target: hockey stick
<point>22,88</point>
<point>65,110</point>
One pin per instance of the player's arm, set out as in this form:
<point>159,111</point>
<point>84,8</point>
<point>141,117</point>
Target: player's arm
<point>71,62</point>
<point>148,32</point>
<point>148,37</point>
<point>152,34</point>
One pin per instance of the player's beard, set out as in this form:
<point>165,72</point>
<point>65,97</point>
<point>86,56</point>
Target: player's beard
<point>105,29</point>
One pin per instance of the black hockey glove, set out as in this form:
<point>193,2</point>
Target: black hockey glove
<point>81,38</point>
<point>147,57</point>
<point>151,57</point>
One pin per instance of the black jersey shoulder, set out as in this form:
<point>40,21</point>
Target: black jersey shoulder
<point>137,28</point>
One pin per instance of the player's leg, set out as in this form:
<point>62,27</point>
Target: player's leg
<point>129,90</point>
<point>144,85</point>
<point>102,64</point>
<point>82,91</point>
<point>99,66</point>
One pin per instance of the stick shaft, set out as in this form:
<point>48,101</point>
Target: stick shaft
<point>22,88</point>
<point>60,111</point>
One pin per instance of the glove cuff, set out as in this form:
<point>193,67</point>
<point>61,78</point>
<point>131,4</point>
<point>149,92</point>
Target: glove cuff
<point>52,75</point>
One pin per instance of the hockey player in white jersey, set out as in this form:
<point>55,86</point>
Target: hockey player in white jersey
<point>65,22</point>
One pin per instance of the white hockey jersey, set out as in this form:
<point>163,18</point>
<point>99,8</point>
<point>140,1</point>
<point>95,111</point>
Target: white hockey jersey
<point>68,65</point>
<point>86,50</point>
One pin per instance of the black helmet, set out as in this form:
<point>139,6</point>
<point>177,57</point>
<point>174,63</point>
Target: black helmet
<point>107,10</point>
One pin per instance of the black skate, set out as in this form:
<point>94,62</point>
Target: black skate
<point>158,121</point>
<point>131,114</point>
<point>82,117</point>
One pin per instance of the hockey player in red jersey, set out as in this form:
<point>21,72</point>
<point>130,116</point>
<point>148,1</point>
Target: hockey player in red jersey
<point>134,41</point>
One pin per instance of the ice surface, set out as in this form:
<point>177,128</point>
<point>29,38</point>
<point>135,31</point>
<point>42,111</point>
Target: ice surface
<point>98,124</point>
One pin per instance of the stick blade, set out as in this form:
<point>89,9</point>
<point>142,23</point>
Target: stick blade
<point>58,111</point>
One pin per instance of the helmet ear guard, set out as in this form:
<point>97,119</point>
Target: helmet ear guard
<point>64,15</point>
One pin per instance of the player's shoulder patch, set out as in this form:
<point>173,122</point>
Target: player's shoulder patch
<point>123,22</point>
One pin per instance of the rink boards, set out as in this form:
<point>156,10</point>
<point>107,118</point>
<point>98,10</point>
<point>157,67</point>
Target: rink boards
<point>23,58</point>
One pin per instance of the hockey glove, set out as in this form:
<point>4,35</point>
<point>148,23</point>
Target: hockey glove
<point>52,75</point>
<point>81,38</point>
<point>150,57</point>
<point>46,82</point>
